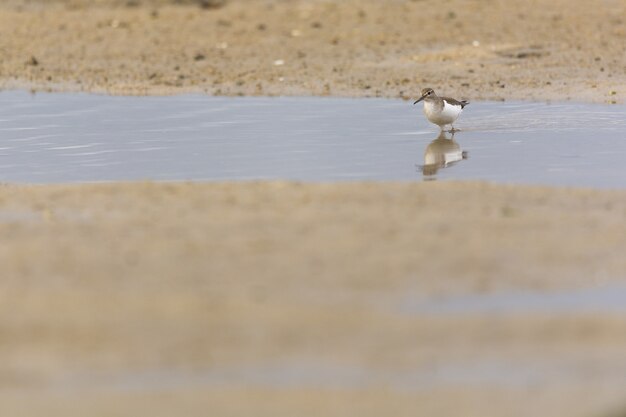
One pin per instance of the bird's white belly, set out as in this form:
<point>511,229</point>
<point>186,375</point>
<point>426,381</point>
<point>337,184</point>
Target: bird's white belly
<point>446,116</point>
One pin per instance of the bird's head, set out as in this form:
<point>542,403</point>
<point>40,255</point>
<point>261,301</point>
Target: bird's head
<point>426,92</point>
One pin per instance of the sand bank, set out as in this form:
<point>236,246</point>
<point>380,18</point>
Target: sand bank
<point>541,50</point>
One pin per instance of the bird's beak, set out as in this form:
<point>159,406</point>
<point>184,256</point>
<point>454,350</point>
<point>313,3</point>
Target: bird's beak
<point>418,100</point>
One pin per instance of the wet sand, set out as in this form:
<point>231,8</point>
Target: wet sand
<point>277,298</point>
<point>146,297</point>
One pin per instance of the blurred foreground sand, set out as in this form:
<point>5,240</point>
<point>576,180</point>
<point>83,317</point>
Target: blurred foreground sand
<point>287,299</point>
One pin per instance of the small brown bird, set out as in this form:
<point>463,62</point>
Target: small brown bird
<point>441,111</point>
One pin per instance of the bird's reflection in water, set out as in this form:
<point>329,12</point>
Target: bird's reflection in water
<point>442,152</point>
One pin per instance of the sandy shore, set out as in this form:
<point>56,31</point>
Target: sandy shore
<point>541,49</point>
<point>113,295</point>
<point>274,298</point>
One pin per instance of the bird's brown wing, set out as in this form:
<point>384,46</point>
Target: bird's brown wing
<point>454,102</point>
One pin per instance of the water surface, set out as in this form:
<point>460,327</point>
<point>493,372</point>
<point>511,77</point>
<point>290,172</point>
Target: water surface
<point>54,137</point>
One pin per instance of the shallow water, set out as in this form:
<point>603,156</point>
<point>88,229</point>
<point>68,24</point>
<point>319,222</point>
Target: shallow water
<point>600,300</point>
<point>335,375</point>
<point>53,137</point>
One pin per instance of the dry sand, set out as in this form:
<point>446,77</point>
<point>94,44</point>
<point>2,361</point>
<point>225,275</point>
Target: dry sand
<point>513,49</point>
<point>272,299</point>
